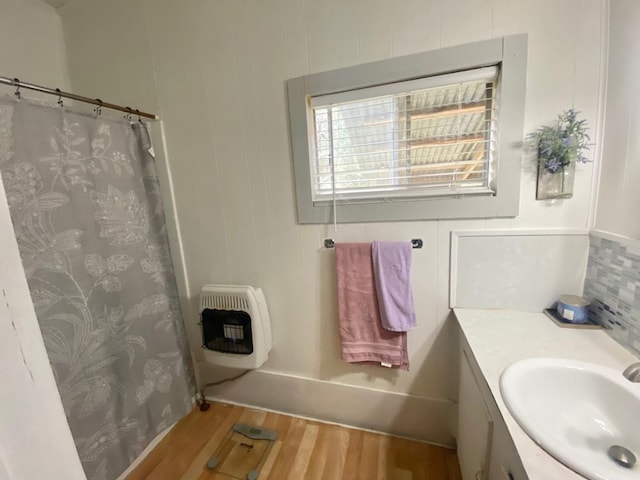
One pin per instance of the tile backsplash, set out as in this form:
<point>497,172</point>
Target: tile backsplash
<point>613,285</point>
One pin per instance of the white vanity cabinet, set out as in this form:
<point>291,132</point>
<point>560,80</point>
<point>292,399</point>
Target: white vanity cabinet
<point>485,448</point>
<point>490,341</point>
<point>475,427</point>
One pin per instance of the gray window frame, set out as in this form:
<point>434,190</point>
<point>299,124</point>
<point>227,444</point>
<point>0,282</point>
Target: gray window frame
<point>510,53</point>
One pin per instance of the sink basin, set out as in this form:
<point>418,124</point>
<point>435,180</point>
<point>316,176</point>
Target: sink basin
<point>576,411</point>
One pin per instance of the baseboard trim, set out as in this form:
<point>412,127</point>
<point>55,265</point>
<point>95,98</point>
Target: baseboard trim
<point>327,422</point>
<point>420,418</point>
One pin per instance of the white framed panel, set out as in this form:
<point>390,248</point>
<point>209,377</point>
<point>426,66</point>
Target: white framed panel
<point>523,270</point>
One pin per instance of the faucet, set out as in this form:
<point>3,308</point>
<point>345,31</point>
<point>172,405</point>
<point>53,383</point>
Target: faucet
<point>632,373</point>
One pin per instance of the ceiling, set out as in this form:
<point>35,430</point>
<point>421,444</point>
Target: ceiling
<point>56,3</point>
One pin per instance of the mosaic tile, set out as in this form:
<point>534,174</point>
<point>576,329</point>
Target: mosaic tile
<point>613,286</point>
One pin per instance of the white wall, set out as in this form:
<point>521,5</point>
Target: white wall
<point>215,71</point>
<point>32,47</point>
<point>35,441</point>
<point>619,195</point>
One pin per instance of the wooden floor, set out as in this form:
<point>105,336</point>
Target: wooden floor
<point>304,450</point>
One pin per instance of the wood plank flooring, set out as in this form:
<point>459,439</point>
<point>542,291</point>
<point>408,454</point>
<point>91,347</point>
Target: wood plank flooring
<point>304,450</point>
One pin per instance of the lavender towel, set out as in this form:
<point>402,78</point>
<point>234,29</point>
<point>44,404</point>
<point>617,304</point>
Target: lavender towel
<point>363,340</point>
<point>392,273</point>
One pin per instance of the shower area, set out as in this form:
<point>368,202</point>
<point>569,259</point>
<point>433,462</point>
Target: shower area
<point>85,204</point>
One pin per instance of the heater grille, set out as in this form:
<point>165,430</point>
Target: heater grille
<point>225,302</point>
<point>227,331</point>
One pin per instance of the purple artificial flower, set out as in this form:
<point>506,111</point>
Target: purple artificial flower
<point>553,165</point>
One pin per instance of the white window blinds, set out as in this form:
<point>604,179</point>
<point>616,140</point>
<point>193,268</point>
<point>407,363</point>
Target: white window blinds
<point>428,137</point>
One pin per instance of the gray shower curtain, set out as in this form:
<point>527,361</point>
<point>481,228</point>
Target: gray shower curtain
<point>88,217</point>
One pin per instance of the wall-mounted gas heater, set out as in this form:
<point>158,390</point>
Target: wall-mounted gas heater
<point>236,329</point>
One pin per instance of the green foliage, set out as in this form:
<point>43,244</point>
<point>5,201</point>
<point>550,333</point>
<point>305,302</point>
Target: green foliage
<point>562,143</point>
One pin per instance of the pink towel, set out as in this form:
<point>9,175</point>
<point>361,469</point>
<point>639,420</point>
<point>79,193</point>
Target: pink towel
<point>392,275</point>
<point>363,338</point>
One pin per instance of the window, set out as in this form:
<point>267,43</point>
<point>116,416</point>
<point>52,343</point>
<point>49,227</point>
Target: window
<point>427,137</point>
<point>431,135</point>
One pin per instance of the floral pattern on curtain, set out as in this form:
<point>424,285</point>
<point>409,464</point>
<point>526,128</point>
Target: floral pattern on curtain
<point>86,208</point>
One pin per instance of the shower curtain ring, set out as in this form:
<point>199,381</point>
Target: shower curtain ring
<point>98,108</point>
<point>60,102</point>
<point>16,82</point>
<point>139,117</point>
<point>128,114</point>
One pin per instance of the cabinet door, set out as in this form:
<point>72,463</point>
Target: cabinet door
<point>475,427</point>
<point>505,461</point>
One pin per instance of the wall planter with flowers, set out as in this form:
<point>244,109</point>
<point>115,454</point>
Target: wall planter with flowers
<point>559,148</point>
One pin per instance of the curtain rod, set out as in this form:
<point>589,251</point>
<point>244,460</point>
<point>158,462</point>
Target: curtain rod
<point>60,94</point>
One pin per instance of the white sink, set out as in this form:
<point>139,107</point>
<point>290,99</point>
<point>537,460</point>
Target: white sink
<point>576,411</point>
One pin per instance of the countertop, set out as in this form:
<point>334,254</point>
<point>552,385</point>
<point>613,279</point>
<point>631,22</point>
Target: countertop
<point>499,338</point>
